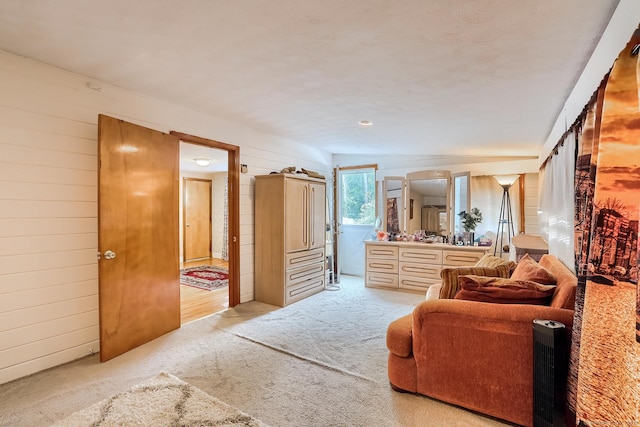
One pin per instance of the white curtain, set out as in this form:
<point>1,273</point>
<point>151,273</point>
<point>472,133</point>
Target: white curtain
<point>225,228</point>
<point>486,195</point>
<point>556,201</point>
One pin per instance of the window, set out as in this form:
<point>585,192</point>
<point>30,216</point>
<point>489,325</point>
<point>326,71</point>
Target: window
<point>358,196</point>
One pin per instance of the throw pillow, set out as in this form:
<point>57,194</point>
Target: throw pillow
<point>504,291</point>
<point>529,269</point>
<point>450,277</point>
<point>491,261</point>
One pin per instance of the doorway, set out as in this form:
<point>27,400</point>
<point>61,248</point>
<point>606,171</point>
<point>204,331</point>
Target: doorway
<point>138,232</point>
<point>204,227</point>
<point>355,196</point>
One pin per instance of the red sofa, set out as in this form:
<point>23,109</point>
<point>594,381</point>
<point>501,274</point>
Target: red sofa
<point>476,355</point>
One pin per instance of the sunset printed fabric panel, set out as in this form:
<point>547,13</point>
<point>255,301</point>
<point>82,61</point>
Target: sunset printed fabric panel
<point>604,381</point>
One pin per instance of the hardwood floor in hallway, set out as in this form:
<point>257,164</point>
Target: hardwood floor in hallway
<point>196,303</point>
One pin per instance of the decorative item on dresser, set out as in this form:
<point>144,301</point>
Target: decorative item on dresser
<point>414,266</point>
<point>290,235</point>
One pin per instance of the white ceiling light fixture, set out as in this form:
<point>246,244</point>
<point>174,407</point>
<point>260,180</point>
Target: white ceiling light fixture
<point>202,161</point>
<point>365,123</point>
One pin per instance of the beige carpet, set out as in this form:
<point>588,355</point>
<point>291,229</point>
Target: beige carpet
<point>163,400</point>
<point>318,362</point>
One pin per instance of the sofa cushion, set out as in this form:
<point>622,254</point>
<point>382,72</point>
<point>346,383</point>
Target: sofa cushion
<point>449,277</point>
<point>529,269</point>
<point>504,291</point>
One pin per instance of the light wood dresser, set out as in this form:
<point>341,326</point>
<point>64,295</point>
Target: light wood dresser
<point>414,266</point>
<point>290,237</point>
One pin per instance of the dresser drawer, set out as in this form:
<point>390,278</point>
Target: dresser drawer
<point>423,255</point>
<point>298,259</point>
<point>303,289</point>
<point>381,280</point>
<point>455,258</point>
<point>382,265</point>
<point>420,270</point>
<point>297,275</point>
<point>415,283</point>
<point>382,251</point>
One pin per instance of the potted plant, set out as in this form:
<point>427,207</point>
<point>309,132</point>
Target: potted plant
<point>470,221</point>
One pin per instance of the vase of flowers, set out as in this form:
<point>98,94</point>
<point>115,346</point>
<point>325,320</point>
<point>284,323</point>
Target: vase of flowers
<point>470,221</point>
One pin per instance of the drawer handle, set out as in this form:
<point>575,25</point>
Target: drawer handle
<point>380,265</point>
<point>426,257</point>
<point>462,258</point>
<point>381,252</point>
<point>418,269</point>
<point>382,280</point>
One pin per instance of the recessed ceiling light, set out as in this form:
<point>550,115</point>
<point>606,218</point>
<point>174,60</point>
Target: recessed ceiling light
<point>365,123</point>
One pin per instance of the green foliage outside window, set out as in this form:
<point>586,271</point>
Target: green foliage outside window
<point>358,198</point>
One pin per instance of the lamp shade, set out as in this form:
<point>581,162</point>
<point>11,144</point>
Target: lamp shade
<point>506,180</point>
<point>202,161</point>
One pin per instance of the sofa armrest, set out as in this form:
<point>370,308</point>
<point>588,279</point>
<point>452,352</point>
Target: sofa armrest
<point>399,336</point>
<point>480,355</point>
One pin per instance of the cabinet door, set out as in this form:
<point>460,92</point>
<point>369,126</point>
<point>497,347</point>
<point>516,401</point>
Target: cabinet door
<point>317,221</point>
<point>296,215</point>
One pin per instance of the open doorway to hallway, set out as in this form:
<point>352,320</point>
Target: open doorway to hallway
<point>203,225</point>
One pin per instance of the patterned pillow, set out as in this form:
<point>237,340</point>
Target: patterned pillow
<point>491,261</point>
<point>529,269</point>
<point>504,291</point>
<point>449,277</point>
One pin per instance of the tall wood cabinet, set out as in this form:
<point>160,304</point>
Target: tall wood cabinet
<point>290,234</point>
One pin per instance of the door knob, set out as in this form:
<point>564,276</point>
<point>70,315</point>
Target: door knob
<point>109,255</point>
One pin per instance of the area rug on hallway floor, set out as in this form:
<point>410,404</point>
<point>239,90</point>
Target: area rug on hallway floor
<point>163,400</point>
<point>205,277</point>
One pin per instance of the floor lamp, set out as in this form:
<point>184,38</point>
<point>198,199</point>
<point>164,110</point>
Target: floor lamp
<point>506,217</point>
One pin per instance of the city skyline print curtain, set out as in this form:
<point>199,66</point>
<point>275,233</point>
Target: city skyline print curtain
<point>604,377</point>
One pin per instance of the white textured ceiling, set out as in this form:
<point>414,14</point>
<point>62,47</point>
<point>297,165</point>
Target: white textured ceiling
<point>463,77</point>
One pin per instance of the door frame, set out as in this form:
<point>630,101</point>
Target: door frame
<point>337,210</point>
<point>233,174</point>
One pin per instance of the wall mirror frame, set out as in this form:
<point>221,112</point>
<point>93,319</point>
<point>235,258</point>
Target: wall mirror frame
<point>393,204</point>
<point>461,198</point>
<point>428,202</point>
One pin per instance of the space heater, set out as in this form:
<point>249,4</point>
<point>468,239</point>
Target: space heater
<point>549,373</point>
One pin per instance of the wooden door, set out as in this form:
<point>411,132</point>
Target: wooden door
<point>197,218</point>
<point>317,213</point>
<point>139,291</point>
<point>296,215</point>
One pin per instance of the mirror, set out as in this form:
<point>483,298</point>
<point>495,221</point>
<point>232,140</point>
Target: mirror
<point>393,204</point>
<point>428,202</point>
<point>461,199</point>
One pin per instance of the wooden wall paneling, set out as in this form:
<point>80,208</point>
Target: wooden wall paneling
<point>47,140</point>
<point>39,156</point>
<point>43,314</point>
<point>49,243</point>
<point>43,296</point>
<point>53,344</point>
<point>53,209</point>
<point>45,226</point>
<point>29,173</point>
<point>45,261</point>
<point>56,327</point>
<point>47,191</point>
<point>37,279</point>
